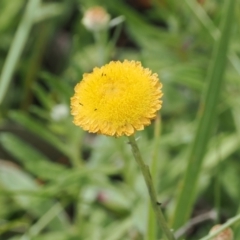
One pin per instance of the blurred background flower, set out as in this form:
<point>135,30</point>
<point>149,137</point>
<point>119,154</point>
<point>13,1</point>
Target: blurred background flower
<point>226,234</point>
<point>96,19</point>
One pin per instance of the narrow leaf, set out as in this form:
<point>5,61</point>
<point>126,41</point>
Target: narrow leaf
<point>187,195</point>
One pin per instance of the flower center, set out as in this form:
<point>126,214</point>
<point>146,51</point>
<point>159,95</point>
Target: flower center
<point>111,89</point>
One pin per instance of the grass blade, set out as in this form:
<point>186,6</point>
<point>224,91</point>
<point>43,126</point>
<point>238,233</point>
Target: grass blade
<point>186,198</point>
<point>32,160</point>
<point>200,14</point>
<point>17,46</point>
<point>40,130</point>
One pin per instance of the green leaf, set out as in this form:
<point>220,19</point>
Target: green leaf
<point>35,162</point>
<point>17,46</point>
<point>43,97</point>
<point>40,130</point>
<point>52,235</point>
<point>117,230</point>
<point>9,10</point>
<point>188,188</point>
<point>61,86</point>
<point>15,180</point>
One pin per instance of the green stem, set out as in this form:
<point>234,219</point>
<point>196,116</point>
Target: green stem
<point>152,193</point>
<point>101,43</point>
<point>152,226</point>
<point>230,222</point>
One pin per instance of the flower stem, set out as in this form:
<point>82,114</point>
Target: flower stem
<point>154,165</point>
<point>152,193</point>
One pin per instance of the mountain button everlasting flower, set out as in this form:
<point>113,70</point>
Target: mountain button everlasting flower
<point>116,99</point>
<point>96,19</point>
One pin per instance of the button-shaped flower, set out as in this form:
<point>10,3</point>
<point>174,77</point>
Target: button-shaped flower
<point>117,99</point>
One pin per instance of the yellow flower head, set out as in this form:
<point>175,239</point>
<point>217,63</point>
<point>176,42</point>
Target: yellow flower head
<point>116,99</point>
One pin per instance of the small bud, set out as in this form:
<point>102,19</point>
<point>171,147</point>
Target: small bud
<point>226,234</point>
<point>59,112</point>
<point>96,19</point>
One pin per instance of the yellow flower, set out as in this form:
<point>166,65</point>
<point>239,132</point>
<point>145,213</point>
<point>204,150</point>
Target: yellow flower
<point>116,99</point>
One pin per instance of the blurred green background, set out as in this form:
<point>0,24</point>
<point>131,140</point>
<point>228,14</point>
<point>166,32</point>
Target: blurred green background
<point>58,182</point>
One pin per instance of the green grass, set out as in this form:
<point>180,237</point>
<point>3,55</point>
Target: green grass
<point>207,121</point>
<point>59,182</point>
